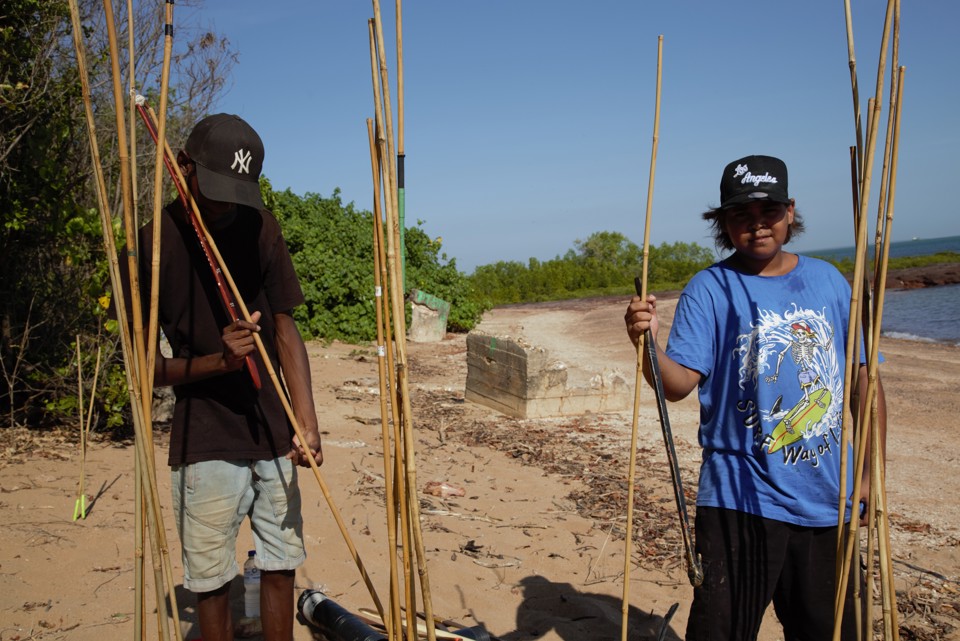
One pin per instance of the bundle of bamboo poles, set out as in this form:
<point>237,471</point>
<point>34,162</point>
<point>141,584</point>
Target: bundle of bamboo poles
<point>861,426</point>
<point>399,458</point>
<point>139,353</point>
<point>139,382</point>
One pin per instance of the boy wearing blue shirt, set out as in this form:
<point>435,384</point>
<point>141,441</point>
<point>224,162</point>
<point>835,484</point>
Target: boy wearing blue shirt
<point>762,335</point>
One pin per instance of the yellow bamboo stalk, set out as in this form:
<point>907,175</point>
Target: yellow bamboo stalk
<point>881,239</point>
<point>399,79</point>
<point>632,466</point>
<point>399,484</point>
<point>80,507</point>
<point>852,63</point>
<point>397,298</point>
<point>158,193</point>
<point>394,621</point>
<point>878,486</point>
<point>846,542</point>
<point>130,358</point>
<point>138,561</point>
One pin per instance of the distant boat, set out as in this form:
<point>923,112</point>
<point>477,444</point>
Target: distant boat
<point>915,238</point>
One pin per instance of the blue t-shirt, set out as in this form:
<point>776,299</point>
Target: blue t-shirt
<point>771,352</point>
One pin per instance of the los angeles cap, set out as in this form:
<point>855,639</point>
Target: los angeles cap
<point>229,158</point>
<point>754,178</point>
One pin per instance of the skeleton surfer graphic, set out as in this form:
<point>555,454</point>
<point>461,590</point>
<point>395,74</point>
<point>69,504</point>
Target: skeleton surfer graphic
<point>812,402</point>
<point>806,338</point>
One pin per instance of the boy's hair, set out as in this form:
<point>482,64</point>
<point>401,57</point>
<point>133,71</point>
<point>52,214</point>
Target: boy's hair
<point>720,238</point>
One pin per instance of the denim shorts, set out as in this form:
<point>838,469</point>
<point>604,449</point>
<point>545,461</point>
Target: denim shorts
<point>210,501</point>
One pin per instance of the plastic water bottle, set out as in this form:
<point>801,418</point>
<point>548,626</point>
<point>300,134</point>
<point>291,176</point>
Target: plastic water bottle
<point>251,586</point>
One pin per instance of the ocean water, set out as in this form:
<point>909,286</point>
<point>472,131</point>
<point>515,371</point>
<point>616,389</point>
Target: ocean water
<point>899,249</point>
<point>928,314</point>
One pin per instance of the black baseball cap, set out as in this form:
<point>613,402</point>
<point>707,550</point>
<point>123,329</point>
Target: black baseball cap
<point>229,157</point>
<point>754,178</point>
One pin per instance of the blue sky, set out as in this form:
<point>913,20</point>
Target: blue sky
<point>529,123</point>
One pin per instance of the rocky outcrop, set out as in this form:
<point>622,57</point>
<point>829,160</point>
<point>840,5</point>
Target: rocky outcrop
<point>927,276</point>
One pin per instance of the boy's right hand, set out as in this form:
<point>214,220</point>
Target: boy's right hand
<point>640,316</point>
<point>238,342</point>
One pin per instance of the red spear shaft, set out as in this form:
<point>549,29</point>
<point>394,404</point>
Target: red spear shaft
<point>226,297</point>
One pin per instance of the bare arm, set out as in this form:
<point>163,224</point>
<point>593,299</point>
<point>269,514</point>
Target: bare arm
<point>678,381</point>
<point>238,342</point>
<point>296,374</point>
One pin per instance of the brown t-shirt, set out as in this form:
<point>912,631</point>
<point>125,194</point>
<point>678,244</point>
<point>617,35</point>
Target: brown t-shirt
<point>223,417</point>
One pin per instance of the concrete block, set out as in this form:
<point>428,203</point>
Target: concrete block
<point>526,381</point>
<point>428,319</point>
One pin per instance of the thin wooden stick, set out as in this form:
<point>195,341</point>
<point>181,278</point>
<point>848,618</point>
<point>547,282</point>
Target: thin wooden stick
<point>638,384</point>
<point>400,484</point>
<point>140,604</point>
<point>877,486</point>
<point>401,157</point>
<point>847,539</point>
<point>400,329</point>
<point>131,370</point>
<point>143,393</point>
<point>852,63</point>
<point>394,622</point>
<point>80,507</point>
<point>151,345</point>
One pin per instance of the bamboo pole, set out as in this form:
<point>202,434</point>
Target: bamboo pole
<point>383,165</point>
<point>153,322</point>
<point>400,330</point>
<point>881,239</point>
<point>400,481</point>
<point>136,362</point>
<point>139,533</point>
<point>394,621</point>
<point>847,539</point>
<point>638,385</point>
<point>158,192</point>
<point>852,63</point>
<point>80,507</point>
<point>401,157</point>
<point>877,486</point>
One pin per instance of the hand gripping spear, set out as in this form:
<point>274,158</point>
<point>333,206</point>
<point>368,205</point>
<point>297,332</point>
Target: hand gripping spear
<point>694,568</point>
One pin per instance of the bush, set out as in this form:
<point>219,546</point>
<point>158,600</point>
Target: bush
<point>604,264</point>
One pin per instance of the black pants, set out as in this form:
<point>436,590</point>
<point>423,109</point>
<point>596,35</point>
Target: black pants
<point>749,561</point>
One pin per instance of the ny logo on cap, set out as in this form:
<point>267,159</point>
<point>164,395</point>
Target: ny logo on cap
<point>241,158</point>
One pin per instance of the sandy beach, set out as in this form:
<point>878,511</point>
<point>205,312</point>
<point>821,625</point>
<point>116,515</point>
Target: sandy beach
<point>533,549</point>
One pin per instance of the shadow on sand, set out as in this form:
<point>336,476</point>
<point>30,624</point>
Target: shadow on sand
<point>575,616</point>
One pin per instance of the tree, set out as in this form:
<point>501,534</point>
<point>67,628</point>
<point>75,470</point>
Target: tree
<point>52,267</point>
